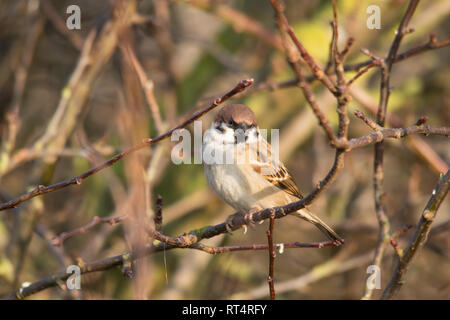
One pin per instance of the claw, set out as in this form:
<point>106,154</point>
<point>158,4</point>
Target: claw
<point>229,223</point>
<point>245,228</point>
<point>229,230</point>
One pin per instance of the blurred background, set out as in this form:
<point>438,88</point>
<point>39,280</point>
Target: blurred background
<point>70,99</point>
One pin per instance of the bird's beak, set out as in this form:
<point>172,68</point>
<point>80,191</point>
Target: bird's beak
<point>243,126</point>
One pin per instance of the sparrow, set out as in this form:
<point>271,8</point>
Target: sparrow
<point>240,168</point>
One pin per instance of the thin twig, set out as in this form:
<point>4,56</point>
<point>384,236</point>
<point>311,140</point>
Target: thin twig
<point>147,86</point>
<point>343,98</point>
<point>12,123</point>
<point>272,255</point>
<point>397,235</point>
<point>58,240</point>
<point>372,124</point>
<point>158,219</point>
<point>420,236</point>
<point>415,143</point>
<point>302,83</point>
<point>278,5</point>
<point>361,72</point>
<point>257,247</point>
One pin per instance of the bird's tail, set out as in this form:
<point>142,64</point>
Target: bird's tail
<point>305,214</point>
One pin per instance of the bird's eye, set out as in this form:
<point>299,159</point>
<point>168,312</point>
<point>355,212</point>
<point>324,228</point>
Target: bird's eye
<point>230,122</point>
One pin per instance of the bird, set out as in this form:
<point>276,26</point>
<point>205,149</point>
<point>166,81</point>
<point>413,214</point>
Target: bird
<point>240,168</point>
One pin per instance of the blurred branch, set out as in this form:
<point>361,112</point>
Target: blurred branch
<point>147,86</point>
<point>146,142</point>
<point>165,43</point>
<point>96,51</point>
<point>293,57</point>
<point>278,6</point>
<point>420,236</point>
<point>58,240</point>
<point>240,22</point>
<point>414,143</point>
<point>273,86</point>
<point>382,133</point>
<point>12,119</point>
<point>52,14</point>
<point>158,219</point>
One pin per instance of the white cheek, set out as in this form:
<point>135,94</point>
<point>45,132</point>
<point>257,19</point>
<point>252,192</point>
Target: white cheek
<point>214,135</point>
<point>253,135</point>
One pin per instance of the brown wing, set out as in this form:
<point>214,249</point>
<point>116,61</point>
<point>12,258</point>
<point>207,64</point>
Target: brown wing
<point>275,173</point>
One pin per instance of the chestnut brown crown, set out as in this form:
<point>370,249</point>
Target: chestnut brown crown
<point>238,114</point>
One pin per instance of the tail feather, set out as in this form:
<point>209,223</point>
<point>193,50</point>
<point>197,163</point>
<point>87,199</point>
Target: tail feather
<point>308,216</point>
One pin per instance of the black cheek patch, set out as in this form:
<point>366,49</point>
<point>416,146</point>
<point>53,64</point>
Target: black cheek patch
<point>219,128</point>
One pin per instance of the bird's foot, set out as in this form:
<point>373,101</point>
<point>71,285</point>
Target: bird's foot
<point>249,216</point>
<point>229,222</point>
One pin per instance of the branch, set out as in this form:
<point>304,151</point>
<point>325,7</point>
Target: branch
<point>292,58</point>
<point>257,247</point>
<point>383,133</point>
<point>378,176</point>
<point>147,86</point>
<point>272,256</point>
<point>278,5</point>
<point>415,143</point>
<point>420,236</point>
<point>342,95</point>
<point>158,219</point>
<point>396,235</point>
<point>58,240</point>
<point>145,143</point>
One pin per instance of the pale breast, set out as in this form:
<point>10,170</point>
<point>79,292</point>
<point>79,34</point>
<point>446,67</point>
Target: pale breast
<point>243,188</point>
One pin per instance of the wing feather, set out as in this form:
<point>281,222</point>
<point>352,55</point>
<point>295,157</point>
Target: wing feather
<point>275,173</point>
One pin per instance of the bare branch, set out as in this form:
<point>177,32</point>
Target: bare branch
<point>58,240</point>
<point>256,247</point>
<point>272,255</point>
<point>420,236</point>
<point>278,5</point>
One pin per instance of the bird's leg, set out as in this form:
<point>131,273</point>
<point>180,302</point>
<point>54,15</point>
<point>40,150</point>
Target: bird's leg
<point>249,216</point>
<point>229,221</point>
